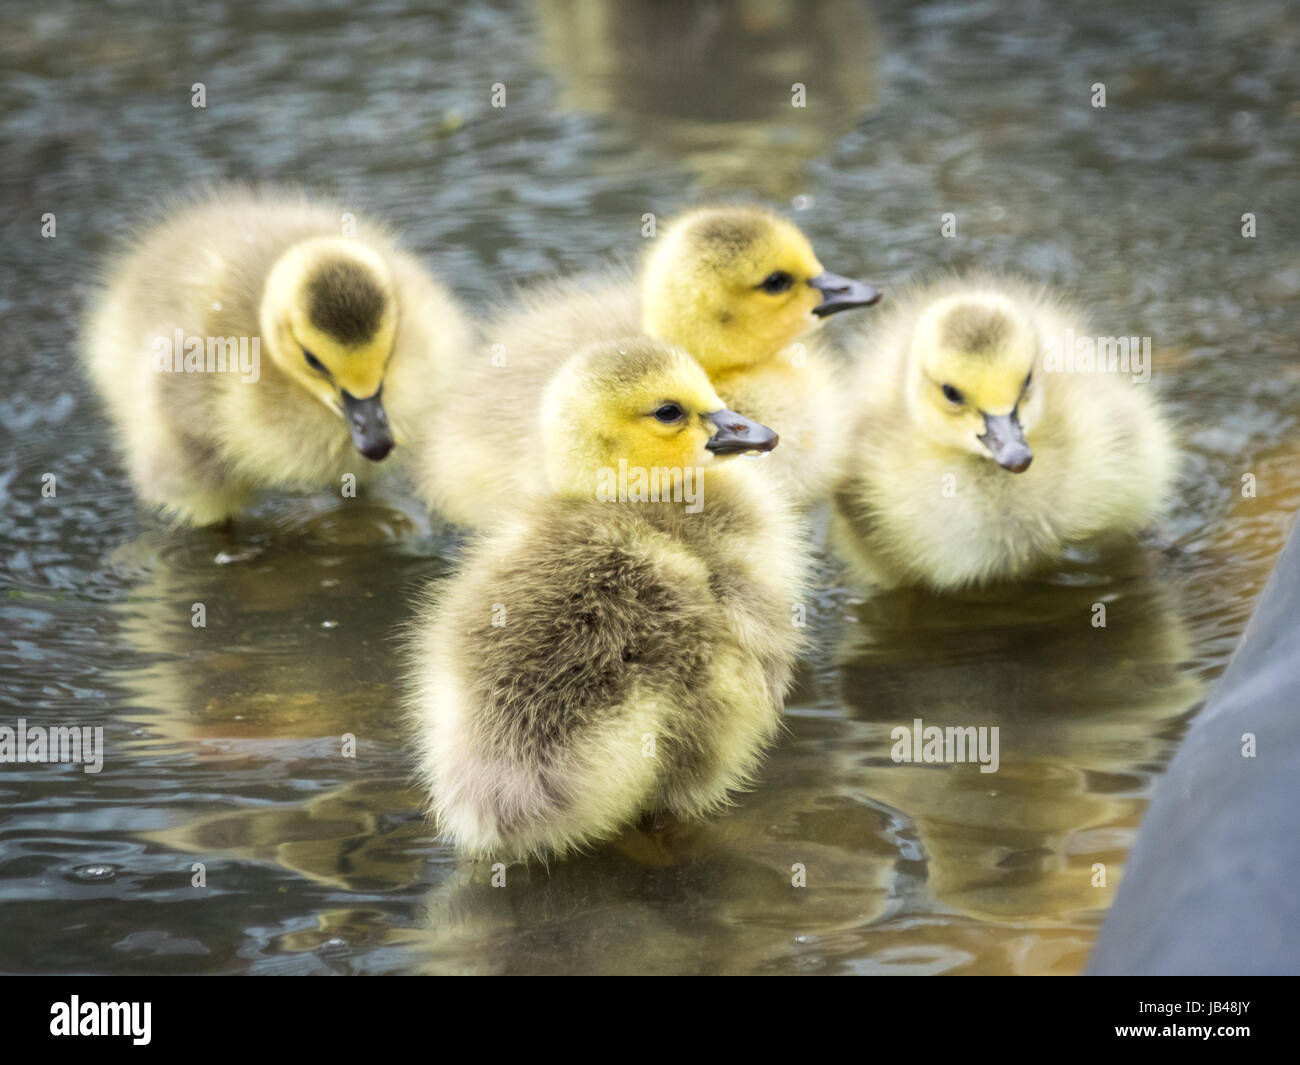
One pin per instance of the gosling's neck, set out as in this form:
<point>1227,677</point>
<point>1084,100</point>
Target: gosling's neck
<point>716,345</point>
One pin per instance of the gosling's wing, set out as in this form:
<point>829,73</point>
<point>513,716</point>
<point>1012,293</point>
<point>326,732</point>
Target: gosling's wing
<point>596,615</point>
<point>562,646</point>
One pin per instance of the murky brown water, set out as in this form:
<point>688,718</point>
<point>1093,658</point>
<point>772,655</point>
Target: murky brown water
<point>223,742</point>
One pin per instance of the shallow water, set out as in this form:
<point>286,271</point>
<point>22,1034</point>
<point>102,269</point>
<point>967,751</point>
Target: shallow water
<point>224,741</point>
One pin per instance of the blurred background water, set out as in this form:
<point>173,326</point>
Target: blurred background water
<point>224,742</point>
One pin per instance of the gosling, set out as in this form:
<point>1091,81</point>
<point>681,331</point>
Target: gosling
<point>246,342</point>
<point>972,458</point>
<point>619,648</point>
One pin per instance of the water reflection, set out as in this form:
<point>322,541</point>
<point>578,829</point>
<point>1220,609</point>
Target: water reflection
<point>283,630</point>
<point>714,84</point>
<point>790,881</point>
<point>367,835</point>
<point>294,659</point>
<point>1086,678</point>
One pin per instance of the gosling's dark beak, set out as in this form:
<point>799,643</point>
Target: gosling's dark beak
<point>841,293</point>
<point>737,434</point>
<point>1006,442</point>
<point>368,424</point>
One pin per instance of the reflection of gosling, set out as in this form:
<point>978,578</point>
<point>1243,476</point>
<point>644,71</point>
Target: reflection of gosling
<point>352,338</point>
<point>969,461</point>
<point>711,95</point>
<point>734,286</point>
<point>597,661</point>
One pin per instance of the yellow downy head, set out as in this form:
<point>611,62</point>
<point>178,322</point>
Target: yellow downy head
<point>971,384</point>
<point>736,285</point>
<point>329,318</point>
<point>637,408</point>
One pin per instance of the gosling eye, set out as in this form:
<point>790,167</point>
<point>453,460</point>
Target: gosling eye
<point>776,282</point>
<point>953,395</point>
<point>669,413</point>
<point>314,362</point>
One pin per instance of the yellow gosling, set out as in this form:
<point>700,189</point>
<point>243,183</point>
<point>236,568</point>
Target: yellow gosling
<point>973,458</point>
<point>621,646</point>
<point>245,343</point>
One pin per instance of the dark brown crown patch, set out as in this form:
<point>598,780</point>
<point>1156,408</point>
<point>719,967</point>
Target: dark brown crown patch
<point>345,301</point>
<point>976,330</point>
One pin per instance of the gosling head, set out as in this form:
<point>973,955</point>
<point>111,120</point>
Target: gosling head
<point>736,285</point>
<point>644,404</point>
<point>329,317</point>
<point>971,385</point>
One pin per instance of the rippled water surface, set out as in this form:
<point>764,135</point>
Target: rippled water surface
<point>224,741</point>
